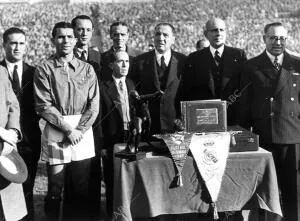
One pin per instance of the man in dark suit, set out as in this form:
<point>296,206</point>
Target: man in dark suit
<point>270,94</point>
<point>119,34</point>
<point>21,76</point>
<point>160,70</point>
<point>83,30</point>
<point>114,117</point>
<point>214,72</point>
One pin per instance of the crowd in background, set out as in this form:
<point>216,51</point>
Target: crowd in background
<point>244,20</point>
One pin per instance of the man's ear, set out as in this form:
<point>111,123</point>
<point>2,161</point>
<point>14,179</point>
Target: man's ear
<point>264,38</point>
<point>205,33</point>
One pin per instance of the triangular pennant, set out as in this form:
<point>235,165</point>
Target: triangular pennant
<point>210,152</point>
<point>178,145</point>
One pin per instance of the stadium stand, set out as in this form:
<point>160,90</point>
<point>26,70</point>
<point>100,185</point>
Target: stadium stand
<point>245,20</point>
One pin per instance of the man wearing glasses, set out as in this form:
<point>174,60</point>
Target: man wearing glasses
<point>270,103</point>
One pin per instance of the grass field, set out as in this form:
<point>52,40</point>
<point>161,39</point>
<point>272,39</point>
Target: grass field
<point>40,191</point>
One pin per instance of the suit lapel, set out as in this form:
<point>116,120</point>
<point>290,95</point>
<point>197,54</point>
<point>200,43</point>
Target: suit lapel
<point>113,93</point>
<point>285,73</point>
<point>266,69</point>
<point>209,61</point>
<point>227,67</point>
<point>3,63</point>
<point>26,78</point>
<point>172,70</point>
<point>93,55</point>
<point>129,86</point>
<point>152,67</point>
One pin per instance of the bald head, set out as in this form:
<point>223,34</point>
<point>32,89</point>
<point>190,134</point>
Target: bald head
<point>202,43</point>
<point>215,32</point>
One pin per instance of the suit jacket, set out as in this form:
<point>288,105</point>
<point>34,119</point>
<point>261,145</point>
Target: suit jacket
<point>9,106</point>
<point>12,202</point>
<point>109,126</point>
<point>198,83</point>
<point>145,75</point>
<point>94,59</point>
<point>270,101</point>
<point>106,59</point>
<point>29,120</point>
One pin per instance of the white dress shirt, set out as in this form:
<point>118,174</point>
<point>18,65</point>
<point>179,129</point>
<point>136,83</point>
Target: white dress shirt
<point>272,58</point>
<point>79,52</point>
<point>123,100</point>
<point>213,50</point>
<point>11,66</point>
<point>167,56</point>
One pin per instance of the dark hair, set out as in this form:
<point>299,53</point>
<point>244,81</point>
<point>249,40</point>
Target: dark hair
<point>82,17</point>
<point>117,23</point>
<point>165,24</point>
<point>274,24</point>
<point>10,31</point>
<point>61,24</point>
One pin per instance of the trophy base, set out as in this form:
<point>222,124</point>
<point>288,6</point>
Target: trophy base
<point>133,156</point>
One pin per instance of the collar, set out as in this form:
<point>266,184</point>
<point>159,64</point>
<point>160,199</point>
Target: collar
<point>74,63</point>
<point>10,67</point>
<point>9,64</point>
<point>80,50</point>
<point>167,55</point>
<point>272,57</point>
<point>213,50</point>
<point>114,50</point>
<point>117,80</point>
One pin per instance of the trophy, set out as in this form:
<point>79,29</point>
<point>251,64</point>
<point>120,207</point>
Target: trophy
<point>140,124</point>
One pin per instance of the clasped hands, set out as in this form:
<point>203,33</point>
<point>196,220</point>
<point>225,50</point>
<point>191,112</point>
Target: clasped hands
<point>75,137</point>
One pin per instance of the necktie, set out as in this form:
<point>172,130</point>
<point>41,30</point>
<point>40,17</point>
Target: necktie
<point>276,64</point>
<point>16,81</point>
<point>83,55</point>
<point>121,87</point>
<point>163,65</point>
<point>217,57</point>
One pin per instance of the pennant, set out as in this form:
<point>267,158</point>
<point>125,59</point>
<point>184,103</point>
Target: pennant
<point>210,152</point>
<point>178,145</point>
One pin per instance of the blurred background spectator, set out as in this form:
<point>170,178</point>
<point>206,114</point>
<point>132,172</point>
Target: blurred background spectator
<point>202,43</point>
<point>245,19</point>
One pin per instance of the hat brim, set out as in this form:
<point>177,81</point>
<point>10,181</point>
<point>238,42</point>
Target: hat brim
<point>13,167</point>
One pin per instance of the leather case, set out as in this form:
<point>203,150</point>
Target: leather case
<point>204,116</point>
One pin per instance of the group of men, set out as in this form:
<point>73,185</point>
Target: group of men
<point>84,98</point>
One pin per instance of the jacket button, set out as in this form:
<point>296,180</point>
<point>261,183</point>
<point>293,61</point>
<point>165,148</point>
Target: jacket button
<point>294,85</point>
<point>292,99</point>
<point>272,114</point>
<point>271,99</point>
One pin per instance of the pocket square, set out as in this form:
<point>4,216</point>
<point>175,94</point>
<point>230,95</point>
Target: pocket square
<point>296,74</point>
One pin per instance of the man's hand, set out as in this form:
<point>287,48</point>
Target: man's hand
<point>103,153</point>
<point>75,137</point>
<point>10,136</point>
<point>178,125</point>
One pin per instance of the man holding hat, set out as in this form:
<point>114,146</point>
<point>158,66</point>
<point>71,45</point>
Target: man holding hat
<point>12,168</point>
